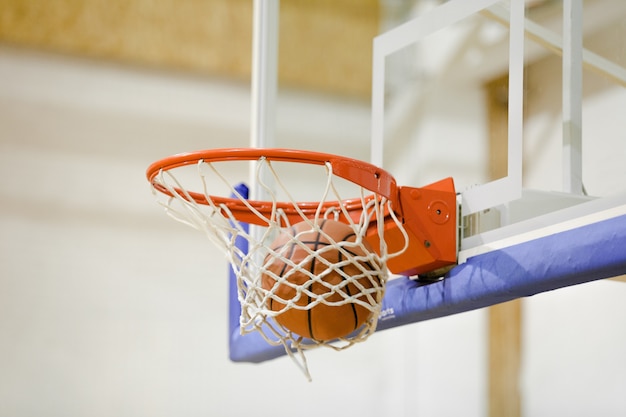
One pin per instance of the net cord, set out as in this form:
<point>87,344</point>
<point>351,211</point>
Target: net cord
<point>222,228</point>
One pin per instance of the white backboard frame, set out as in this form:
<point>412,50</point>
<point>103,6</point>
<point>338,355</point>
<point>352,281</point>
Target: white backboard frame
<point>494,193</point>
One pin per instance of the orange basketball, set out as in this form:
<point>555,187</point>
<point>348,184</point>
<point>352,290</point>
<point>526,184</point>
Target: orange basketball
<point>322,322</point>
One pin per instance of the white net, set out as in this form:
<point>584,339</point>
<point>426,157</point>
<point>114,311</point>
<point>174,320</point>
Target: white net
<point>307,274</point>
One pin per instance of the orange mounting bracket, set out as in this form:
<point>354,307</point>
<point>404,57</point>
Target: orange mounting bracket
<point>429,216</point>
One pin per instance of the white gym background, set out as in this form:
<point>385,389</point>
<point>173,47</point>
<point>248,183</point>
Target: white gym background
<point>110,308</point>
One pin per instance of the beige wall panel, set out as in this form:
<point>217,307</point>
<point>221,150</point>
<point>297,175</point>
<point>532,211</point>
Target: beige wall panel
<point>196,35</point>
<point>325,45</point>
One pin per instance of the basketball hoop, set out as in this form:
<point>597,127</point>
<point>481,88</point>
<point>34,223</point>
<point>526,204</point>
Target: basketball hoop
<point>197,189</point>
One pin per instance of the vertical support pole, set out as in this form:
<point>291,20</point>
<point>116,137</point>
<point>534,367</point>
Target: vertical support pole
<point>264,80</point>
<point>263,96</point>
<point>572,96</point>
<point>516,95</point>
<point>378,103</point>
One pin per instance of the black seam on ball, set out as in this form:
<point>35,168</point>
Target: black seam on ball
<point>312,270</point>
<point>292,248</point>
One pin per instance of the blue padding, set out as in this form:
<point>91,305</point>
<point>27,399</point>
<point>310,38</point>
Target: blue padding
<point>573,257</point>
<point>252,347</point>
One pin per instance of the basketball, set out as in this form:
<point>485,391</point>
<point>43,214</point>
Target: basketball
<point>337,315</point>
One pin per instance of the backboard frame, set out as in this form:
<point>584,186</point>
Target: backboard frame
<point>491,194</point>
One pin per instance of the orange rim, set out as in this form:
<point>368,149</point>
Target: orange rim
<point>369,176</point>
